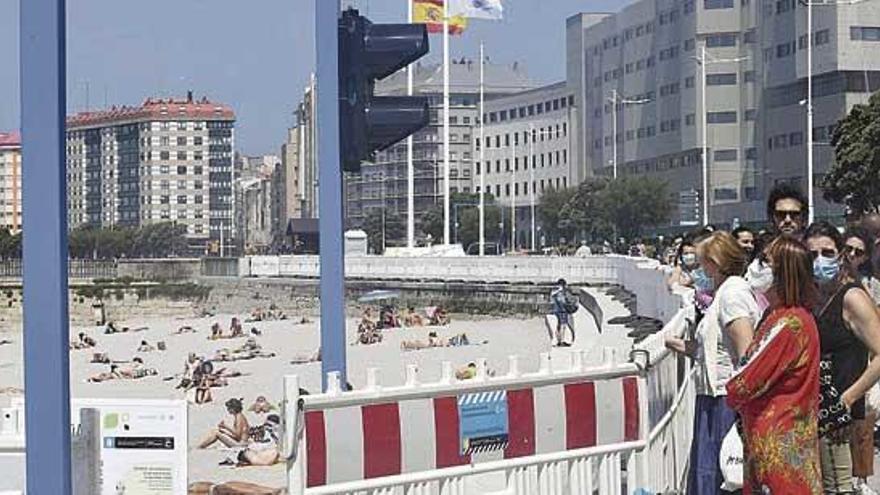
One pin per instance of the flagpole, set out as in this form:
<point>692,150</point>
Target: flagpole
<point>482,165</point>
<point>446,240</point>
<point>512,197</point>
<point>411,178</point>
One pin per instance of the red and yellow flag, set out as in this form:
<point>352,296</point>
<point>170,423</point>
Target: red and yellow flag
<point>430,13</point>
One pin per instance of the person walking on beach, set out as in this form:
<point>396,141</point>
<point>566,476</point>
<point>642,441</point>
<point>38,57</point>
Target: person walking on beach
<point>562,305</point>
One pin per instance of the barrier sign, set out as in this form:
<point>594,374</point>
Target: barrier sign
<point>482,420</point>
<point>143,445</point>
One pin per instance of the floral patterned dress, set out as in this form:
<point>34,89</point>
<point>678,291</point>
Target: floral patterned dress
<point>776,392</point>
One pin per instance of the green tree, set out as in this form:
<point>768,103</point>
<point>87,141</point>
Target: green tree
<point>584,213</point>
<point>383,232</point>
<point>632,203</point>
<point>552,214</point>
<point>469,229</point>
<point>10,244</point>
<point>854,177</point>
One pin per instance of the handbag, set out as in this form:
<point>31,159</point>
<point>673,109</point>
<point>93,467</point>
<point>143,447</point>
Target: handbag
<point>730,459</point>
<point>833,413</point>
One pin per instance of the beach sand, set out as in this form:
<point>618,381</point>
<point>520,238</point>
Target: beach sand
<point>526,338</point>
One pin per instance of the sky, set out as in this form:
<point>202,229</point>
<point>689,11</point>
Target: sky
<point>255,56</point>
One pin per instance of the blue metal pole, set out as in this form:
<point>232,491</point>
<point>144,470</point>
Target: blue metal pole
<point>46,354</point>
<point>330,192</point>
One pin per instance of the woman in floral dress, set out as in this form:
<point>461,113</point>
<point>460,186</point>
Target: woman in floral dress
<point>776,391</point>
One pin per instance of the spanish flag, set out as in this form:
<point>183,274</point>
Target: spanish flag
<point>430,13</point>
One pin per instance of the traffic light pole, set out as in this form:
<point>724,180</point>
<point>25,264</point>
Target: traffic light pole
<point>46,352</point>
<point>332,290</point>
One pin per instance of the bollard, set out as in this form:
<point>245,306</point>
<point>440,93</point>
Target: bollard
<point>446,375</point>
<point>544,366</point>
<point>334,387</point>
<point>513,366</point>
<point>412,375</point>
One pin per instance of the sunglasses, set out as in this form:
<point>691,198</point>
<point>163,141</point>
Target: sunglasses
<point>827,253</point>
<point>781,215</point>
<point>855,251</point>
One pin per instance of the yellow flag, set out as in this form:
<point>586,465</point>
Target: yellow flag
<point>430,13</point>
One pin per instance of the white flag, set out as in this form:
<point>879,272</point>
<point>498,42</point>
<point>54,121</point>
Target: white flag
<point>477,9</point>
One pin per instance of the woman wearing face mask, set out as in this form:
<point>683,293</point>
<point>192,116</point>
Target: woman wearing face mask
<point>776,389</point>
<point>685,264</point>
<point>759,275</point>
<point>849,328</point>
<point>722,337</point>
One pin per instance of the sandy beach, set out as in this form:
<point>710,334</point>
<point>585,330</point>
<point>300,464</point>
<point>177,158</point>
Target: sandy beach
<point>492,339</point>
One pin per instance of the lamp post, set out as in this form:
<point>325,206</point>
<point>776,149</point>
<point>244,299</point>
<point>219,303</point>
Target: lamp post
<point>702,61</point>
<point>615,99</point>
<point>811,204</point>
<point>530,163</point>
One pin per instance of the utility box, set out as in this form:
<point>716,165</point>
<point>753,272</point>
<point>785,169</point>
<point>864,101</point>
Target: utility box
<point>355,243</point>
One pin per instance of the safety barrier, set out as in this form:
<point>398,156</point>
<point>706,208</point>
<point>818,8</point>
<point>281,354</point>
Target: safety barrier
<point>614,428</point>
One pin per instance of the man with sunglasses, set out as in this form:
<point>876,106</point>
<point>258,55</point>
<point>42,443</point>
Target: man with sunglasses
<point>786,210</point>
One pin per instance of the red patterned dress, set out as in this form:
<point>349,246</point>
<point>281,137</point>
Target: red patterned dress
<point>776,392</point>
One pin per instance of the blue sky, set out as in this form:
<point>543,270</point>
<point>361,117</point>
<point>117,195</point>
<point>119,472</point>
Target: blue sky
<point>255,56</point>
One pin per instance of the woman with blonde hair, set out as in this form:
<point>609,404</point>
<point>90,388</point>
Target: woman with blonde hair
<point>721,339</point>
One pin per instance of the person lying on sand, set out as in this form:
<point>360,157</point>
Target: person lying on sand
<point>415,345</point>
<point>225,355</point>
<point>184,329</point>
<point>216,332</point>
<point>263,447</point>
<point>232,434</point>
<point>100,358</point>
<point>313,357</point>
<point>466,372</point>
<point>135,372</point>
<point>388,317</point>
<point>145,347</point>
<point>261,406</point>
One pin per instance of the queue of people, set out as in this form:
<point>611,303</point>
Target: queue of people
<point>787,327</point>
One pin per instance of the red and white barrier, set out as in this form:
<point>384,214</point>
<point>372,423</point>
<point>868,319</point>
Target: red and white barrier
<point>541,419</point>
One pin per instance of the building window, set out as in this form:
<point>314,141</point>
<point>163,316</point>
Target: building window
<point>164,155</point>
<point>796,138</point>
<point>720,40</point>
<point>181,170</point>
<point>198,200</point>
<point>181,141</point>
<point>726,194</point>
<point>750,36</point>
<point>721,117</point>
<point>181,200</point>
<point>689,45</point>
<point>689,82</point>
<point>181,155</point>
<point>717,4</point>
<point>864,33</point>
<point>822,37</point>
<point>689,119</point>
<point>725,155</point>
<point>750,115</point>
<point>749,76</point>
<point>783,50</point>
<point>726,79</point>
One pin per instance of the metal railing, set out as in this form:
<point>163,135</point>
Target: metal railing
<point>76,269</point>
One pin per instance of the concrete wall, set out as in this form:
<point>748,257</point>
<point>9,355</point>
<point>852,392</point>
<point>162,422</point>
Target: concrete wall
<point>160,269</point>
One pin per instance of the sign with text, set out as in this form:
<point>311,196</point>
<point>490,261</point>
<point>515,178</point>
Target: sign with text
<point>143,445</point>
<point>482,420</point>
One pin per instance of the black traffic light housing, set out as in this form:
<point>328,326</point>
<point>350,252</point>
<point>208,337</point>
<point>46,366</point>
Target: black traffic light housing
<point>369,52</point>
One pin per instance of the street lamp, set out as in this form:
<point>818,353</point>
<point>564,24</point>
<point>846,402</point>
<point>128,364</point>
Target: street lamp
<point>701,63</point>
<point>811,208</point>
<point>616,99</point>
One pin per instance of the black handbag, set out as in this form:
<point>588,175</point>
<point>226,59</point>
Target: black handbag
<point>833,413</point>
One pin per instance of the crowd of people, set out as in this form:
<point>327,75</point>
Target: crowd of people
<point>784,343</point>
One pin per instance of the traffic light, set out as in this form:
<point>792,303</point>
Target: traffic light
<point>369,52</point>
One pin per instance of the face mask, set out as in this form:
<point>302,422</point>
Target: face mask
<point>689,259</point>
<point>825,269</point>
<point>759,276</point>
<point>702,281</point>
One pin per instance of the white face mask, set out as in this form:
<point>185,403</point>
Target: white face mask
<point>759,276</point>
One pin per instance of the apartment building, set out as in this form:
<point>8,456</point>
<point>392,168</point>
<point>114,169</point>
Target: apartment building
<point>167,160</point>
<point>527,149</point>
<point>383,183</point>
<point>10,181</point>
<point>652,51</point>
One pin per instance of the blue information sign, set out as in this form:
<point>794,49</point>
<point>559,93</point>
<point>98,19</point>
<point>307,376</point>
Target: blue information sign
<point>482,420</point>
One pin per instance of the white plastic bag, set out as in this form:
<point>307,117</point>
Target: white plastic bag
<point>731,460</point>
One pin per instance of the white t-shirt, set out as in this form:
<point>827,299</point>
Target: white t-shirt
<point>733,300</point>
